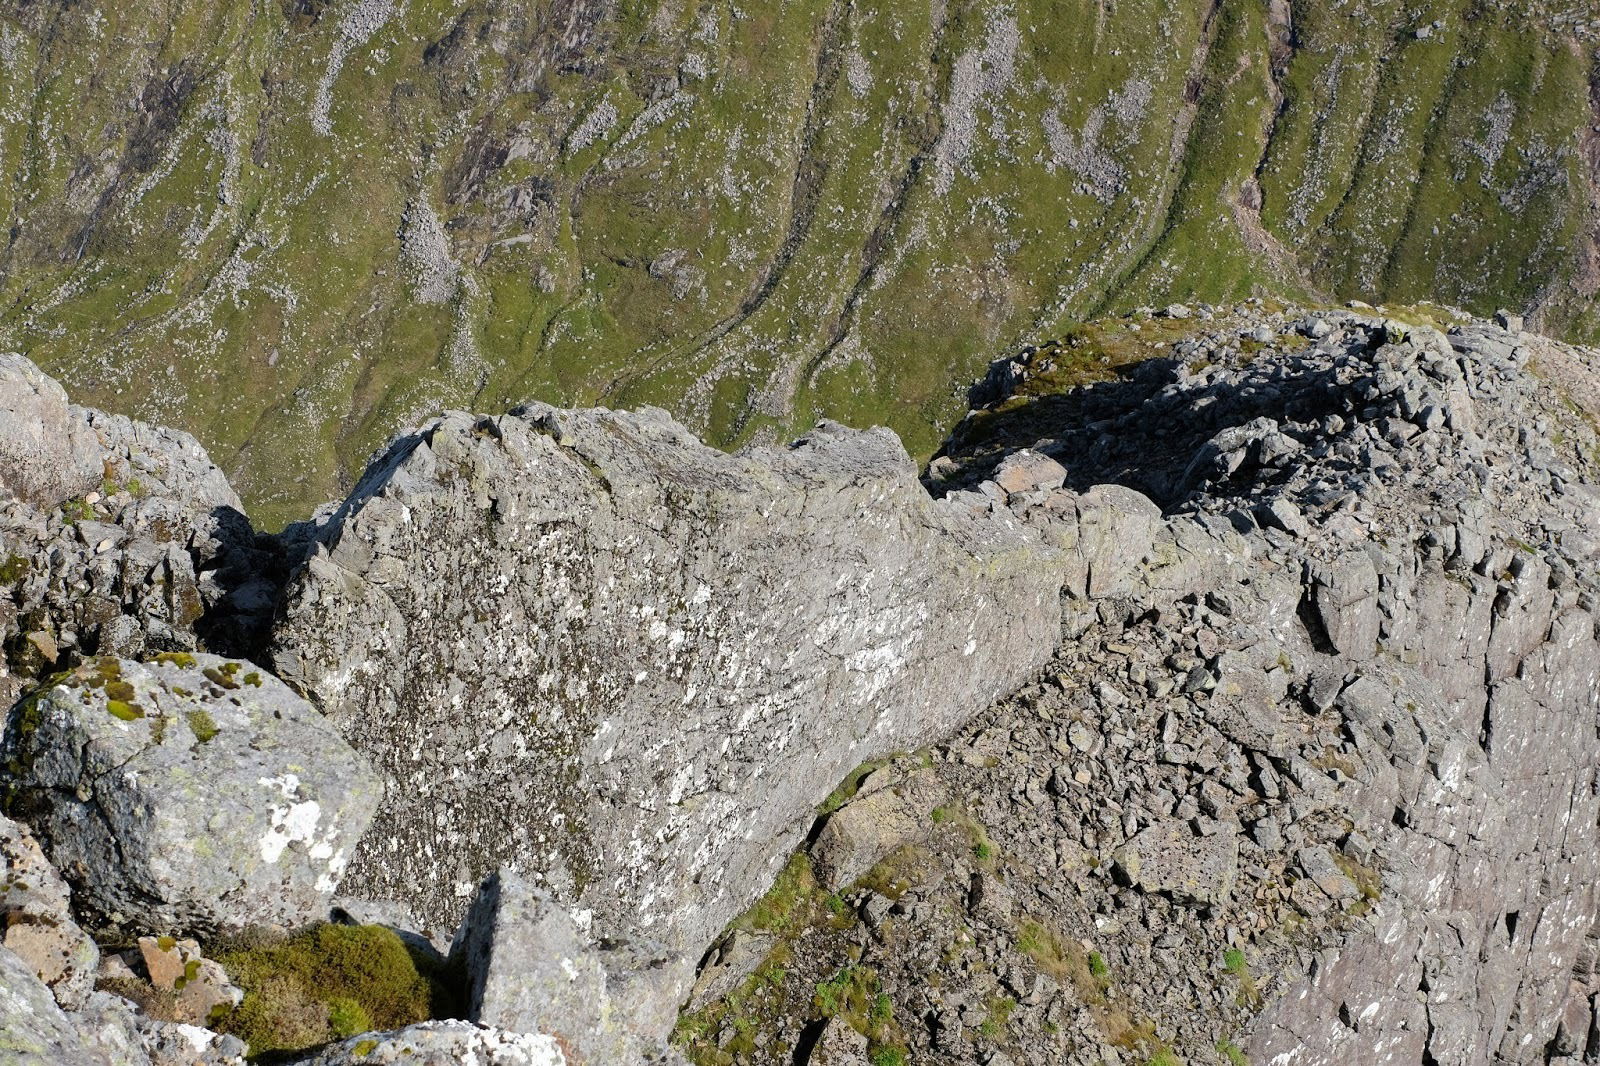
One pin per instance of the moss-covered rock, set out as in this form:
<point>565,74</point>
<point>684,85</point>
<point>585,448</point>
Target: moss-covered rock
<point>328,982</point>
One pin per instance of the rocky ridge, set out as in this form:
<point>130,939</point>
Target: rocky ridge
<point>1303,777</point>
<point>1332,804</point>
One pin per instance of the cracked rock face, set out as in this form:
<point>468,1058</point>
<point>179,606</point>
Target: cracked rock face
<point>1312,776</point>
<point>191,792</point>
<point>584,645</point>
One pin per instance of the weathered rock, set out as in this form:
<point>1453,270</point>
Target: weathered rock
<point>444,1044</point>
<point>139,545</point>
<point>1029,471</point>
<point>583,642</point>
<point>200,985</point>
<point>856,836</point>
<point>1167,857</point>
<point>48,454</point>
<point>173,1044</point>
<point>36,918</point>
<point>839,1045</point>
<point>730,960</point>
<point>1346,596</point>
<point>530,969</point>
<point>34,1031</point>
<point>191,792</point>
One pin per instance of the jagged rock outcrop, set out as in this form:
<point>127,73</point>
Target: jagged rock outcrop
<point>1334,802</point>
<point>190,792</point>
<point>580,643</point>
<point>1309,778</point>
<point>116,538</point>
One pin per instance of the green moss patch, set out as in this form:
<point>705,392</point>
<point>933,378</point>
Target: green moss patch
<point>328,982</point>
<point>202,725</point>
<point>124,710</point>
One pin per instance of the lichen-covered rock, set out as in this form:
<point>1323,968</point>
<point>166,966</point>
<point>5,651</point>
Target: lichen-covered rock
<point>853,838</point>
<point>200,986</point>
<point>190,792</point>
<point>34,1031</point>
<point>36,918</point>
<point>446,1043</point>
<point>1191,868</point>
<point>583,643</point>
<point>530,969</point>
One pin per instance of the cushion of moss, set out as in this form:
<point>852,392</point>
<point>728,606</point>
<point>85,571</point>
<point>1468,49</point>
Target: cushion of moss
<point>327,982</point>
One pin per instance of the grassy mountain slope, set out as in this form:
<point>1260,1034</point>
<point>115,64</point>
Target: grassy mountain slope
<point>294,226</point>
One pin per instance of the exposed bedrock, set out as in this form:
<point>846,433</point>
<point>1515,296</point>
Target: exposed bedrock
<point>586,647</point>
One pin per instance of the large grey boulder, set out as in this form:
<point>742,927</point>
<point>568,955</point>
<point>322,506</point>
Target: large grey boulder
<point>190,792</point>
<point>584,644</point>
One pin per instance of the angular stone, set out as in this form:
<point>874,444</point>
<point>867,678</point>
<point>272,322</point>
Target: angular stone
<point>201,985</point>
<point>1168,857</point>
<point>1345,593</point>
<point>34,1031</point>
<point>192,792</point>
<point>36,918</point>
<point>857,836</point>
<point>1029,471</point>
<point>530,970</point>
<point>1319,865</point>
<point>839,1045</point>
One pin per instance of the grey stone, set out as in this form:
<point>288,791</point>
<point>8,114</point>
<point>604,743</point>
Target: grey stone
<point>34,1031</point>
<point>190,793</point>
<point>445,1043</point>
<point>530,969</point>
<point>1168,857</point>
<point>854,838</point>
<point>1029,471</point>
<point>839,1044</point>
<point>48,453</point>
<point>583,641</point>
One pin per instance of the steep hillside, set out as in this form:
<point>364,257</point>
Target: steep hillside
<point>292,226</point>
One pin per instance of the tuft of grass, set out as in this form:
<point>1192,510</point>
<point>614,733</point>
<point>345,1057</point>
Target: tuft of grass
<point>1235,963</point>
<point>1232,1052</point>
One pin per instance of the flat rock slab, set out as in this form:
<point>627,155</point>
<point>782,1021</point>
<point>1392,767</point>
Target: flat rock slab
<point>191,792</point>
<point>583,644</point>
